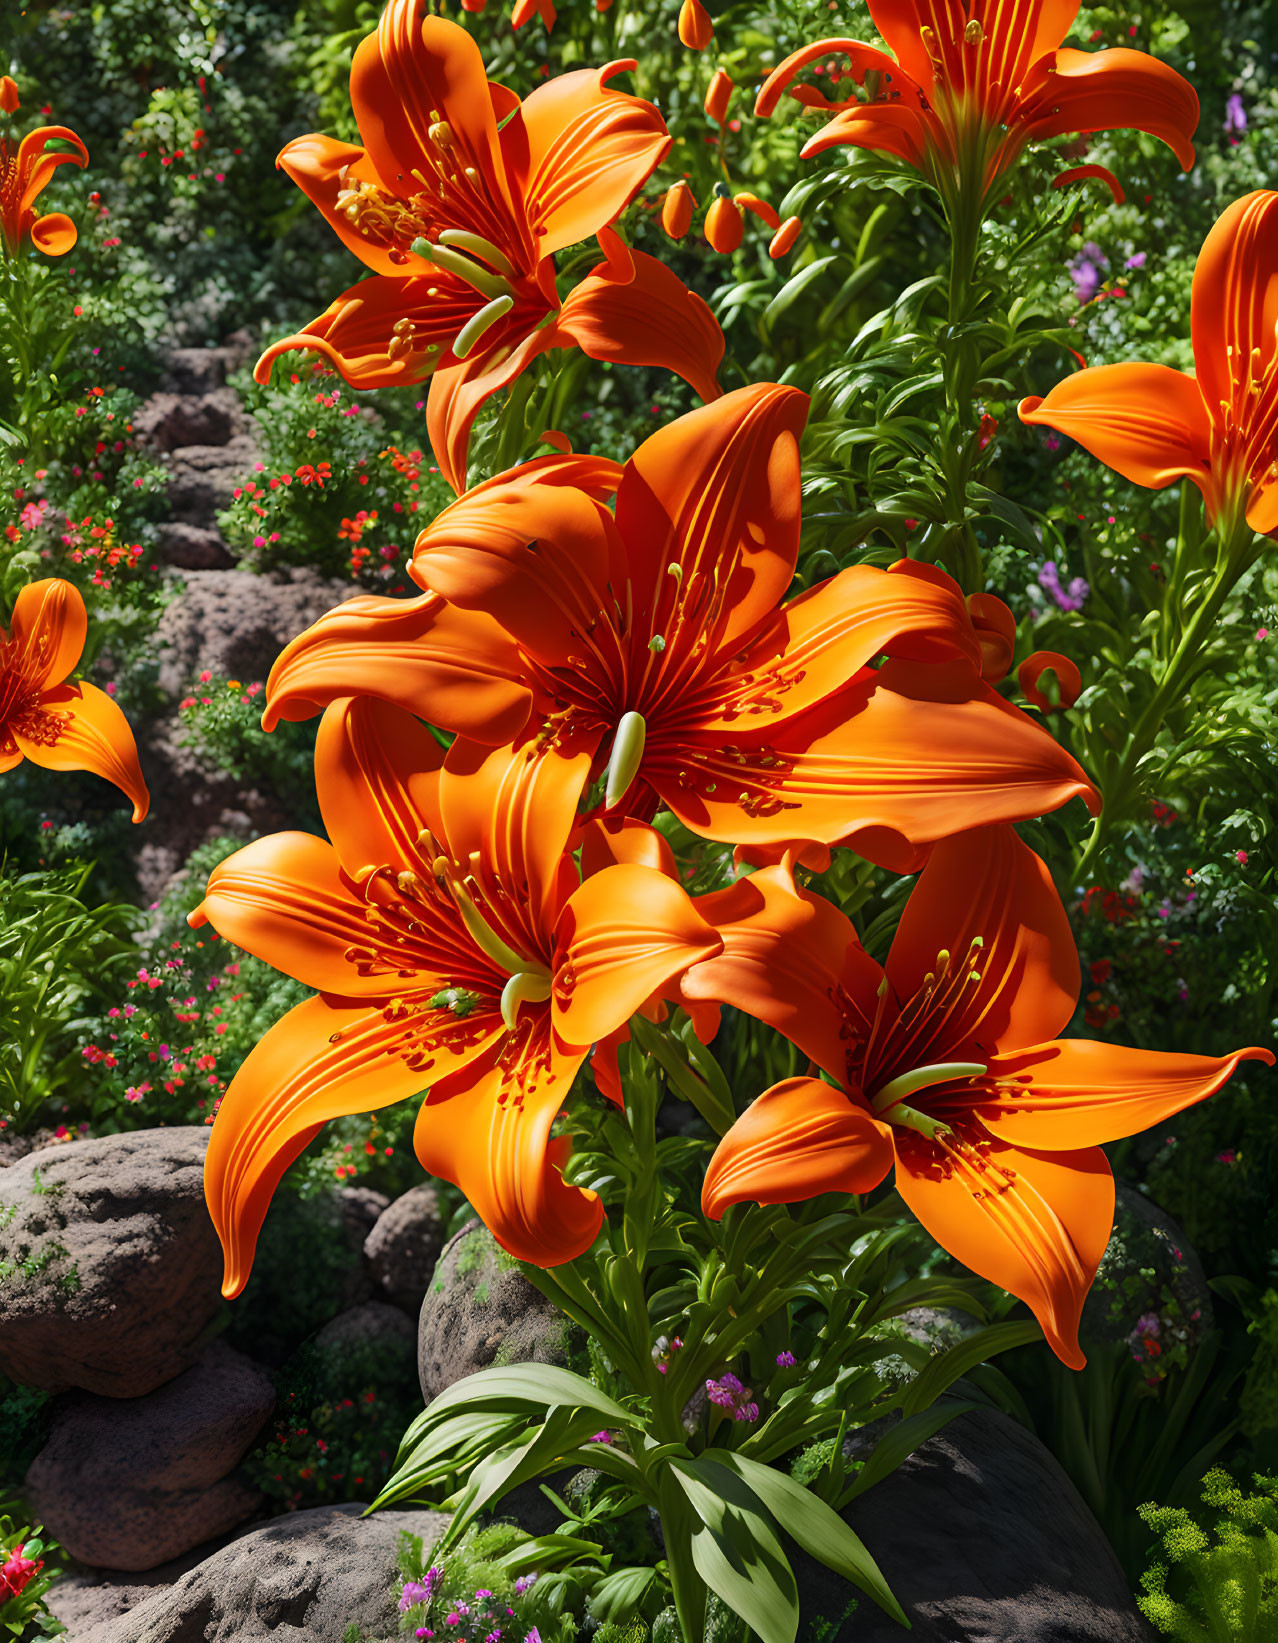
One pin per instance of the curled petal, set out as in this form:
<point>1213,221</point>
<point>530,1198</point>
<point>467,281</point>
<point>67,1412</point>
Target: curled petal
<point>284,898</point>
<point>1147,422</point>
<point>1081,173</point>
<point>581,152</point>
<point>987,886</point>
<point>455,668</point>
<point>650,318</point>
<point>1069,680</point>
<point>995,632</point>
<point>377,780</point>
<point>35,163</point>
<point>54,234</point>
<point>1035,1224</point>
<point>863,59</point>
<point>1117,90</point>
<point>491,1136</point>
<point>325,1059</point>
<point>624,936</point>
<point>49,625</point>
<point>79,727</point>
<point>1079,1093</point>
<point>891,128</point>
<point>790,959</point>
<point>799,1139</point>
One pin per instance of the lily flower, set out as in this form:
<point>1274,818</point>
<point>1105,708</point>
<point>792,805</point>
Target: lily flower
<point>973,82</point>
<point>454,950</point>
<point>658,641</point>
<point>25,172</point>
<point>1218,428</point>
<point>57,725</point>
<point>457,202</point>
<point>946,1063</point>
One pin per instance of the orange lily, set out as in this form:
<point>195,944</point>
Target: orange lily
<point>57,725</point>
<point>656,641</point>
<point>973,82</point>
<point>458,201</point>
<point>945,1063</point>
<point>453,946</point>
<point>25,172</point>
<point>1218,428</point>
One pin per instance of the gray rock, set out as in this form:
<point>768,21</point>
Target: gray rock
<point>203,478</point>
<point>404,1246</point>
<point>303,1578</point>
<point>372,1324</point>
<point>481,1310</point>
<point>169,421</point>
<point>199,370</point>
<point>984,1540</point>
<point>110,1270</point>
<point>129,1485</point>
<point>236,622</point>
<point>193,547</point>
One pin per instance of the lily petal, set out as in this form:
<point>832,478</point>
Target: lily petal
<point>509,814</point>
<point>1036,1225</point>
<point>377,781</point>
<point>890,128</point>
<point>459,390</point>
<point>799,1139</point>
<point>616,840</point>
<point>790,959</point>
<point>818,641</point>
<point>285,899</point>
<point>1117,90</point>
<point>716,494</point>
<point>35,164</point>
<point>986,885</point>
<point>321,167</point>
<point>491,1136</point>
<point>863,60</point>
<point>49,625</point>
<point>1080,1093</point>
<point>1147,422</point>
<point>456,668</point>
<point>650,318</point>
<point>79,727</point>
<point>625,935</point>
<point>1234,303</point>
<point>54,234</point>
<point>323,1060</point>
<point>581,153</point>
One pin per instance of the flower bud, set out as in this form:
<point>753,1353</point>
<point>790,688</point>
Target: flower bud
<point>695,28</point>
<point>785,236</point>
<point>8,94</point>
<point>760,208</point>
<point>719,95</point>
<point>677,209</point>
<point>724,225</point>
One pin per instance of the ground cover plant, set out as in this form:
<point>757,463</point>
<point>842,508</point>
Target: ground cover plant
<point>647,635</point>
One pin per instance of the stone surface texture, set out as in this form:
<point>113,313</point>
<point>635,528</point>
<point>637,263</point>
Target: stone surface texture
<point>111,1267</point>
<point>481,1310</point>
<point>131,1484</point>
<point>404,1246</point>
<point>984,1540</point>
<point>306,1576</point>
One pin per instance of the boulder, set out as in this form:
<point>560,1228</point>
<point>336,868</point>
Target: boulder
<point>168,421</point>
<point>237,622</point>
<point>481,1310</point>
<point>110,1270</point>
<point>301,1578</point>
<point>403,1247</point>
<point>129,1485</point>
<point>204,370</point>
<point>374,1325</point>
<point>203,478</point>
<point>1151,1289</point>
<point>193,547</point>
<point>984,1540</point>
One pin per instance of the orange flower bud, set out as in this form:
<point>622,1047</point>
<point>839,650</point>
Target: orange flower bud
<point>719,95</point>
<point>695,28</point>
<point>677,209</point>
<point>474,6</point>
<point>8,94</point>
<point>724,225</point>
<point>760,208</point>
<point>1068,679</point>
<point>785,237</point>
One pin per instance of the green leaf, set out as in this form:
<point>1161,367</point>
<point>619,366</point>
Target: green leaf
<point>618,1594</point>
<point>541,1385</point>
<point>946,1367</point>
<point>736,1552</point>
<point>794,288</point>
<point>818,1528</point>
<point>495,1476</point>
<point>901,1442</point>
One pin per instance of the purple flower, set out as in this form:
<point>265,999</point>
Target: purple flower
<point>533,1636</point>
<point>1136,260</point>
<point>1085,271</point>
<point>728,1393</point>
<point>419,1591</point>
<point>1070,598</point>
<point>601,1437</point>
<point>1235,117</point>
<point>524,1583</point>
<point>786,1360</point>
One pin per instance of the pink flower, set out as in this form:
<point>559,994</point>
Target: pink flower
<point>17,1573</point>
<point>1241,856</point>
